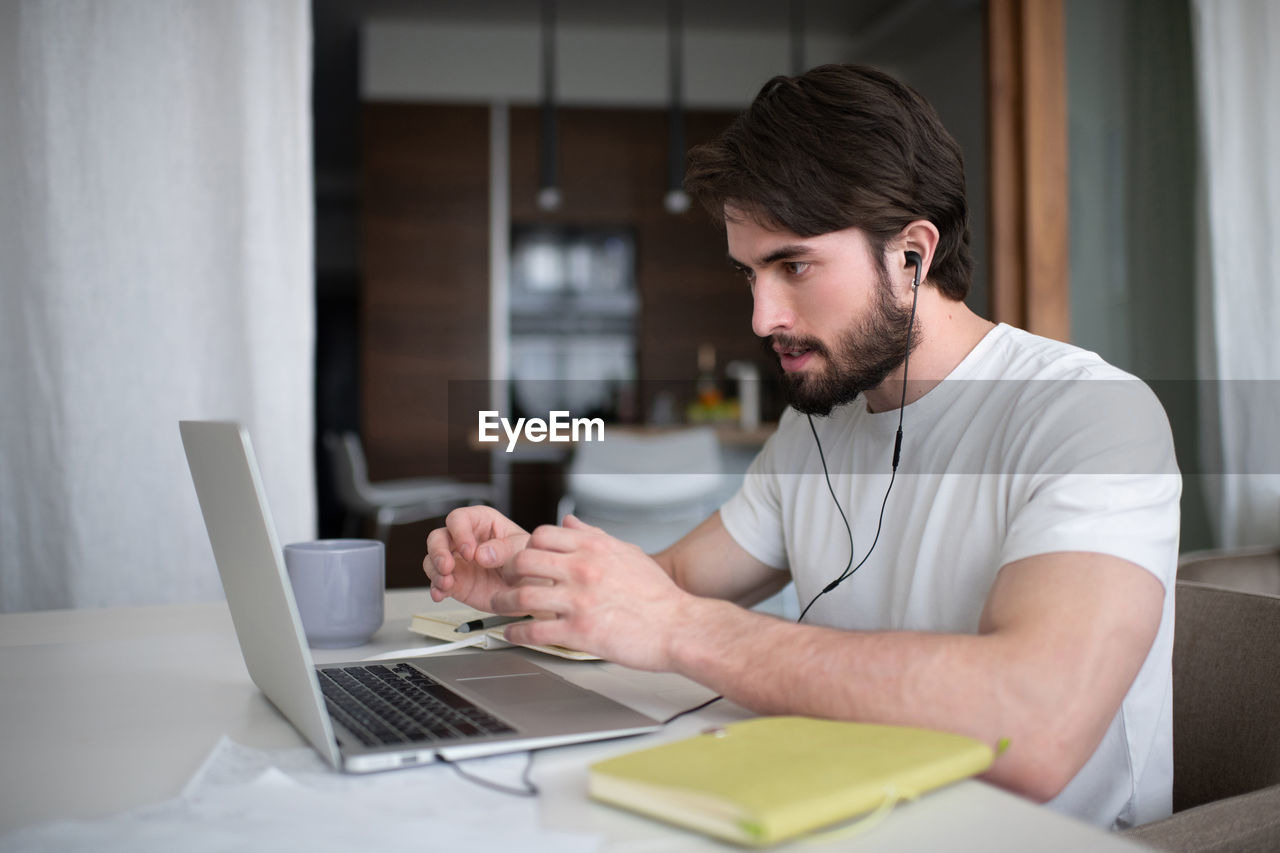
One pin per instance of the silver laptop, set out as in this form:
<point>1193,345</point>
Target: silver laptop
<point>372,715</point>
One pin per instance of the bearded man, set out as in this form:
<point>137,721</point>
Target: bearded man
<point>981,524</point>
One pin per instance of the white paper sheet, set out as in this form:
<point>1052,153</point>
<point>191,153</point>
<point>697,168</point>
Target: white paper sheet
<point>252,799</point>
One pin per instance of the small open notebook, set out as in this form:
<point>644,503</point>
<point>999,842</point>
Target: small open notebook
<point>443,624</point>
<point>770,779</point>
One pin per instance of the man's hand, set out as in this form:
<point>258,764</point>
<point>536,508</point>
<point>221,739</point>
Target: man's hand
<point>465,558</point>
<point>594,593</point>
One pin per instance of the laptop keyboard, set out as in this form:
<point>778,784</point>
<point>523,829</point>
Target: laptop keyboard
<point>396,705</point>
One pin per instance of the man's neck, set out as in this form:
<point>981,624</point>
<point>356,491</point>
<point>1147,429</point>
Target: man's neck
<point>948,331</point>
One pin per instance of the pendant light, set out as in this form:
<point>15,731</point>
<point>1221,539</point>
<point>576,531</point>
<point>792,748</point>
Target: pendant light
<point>676,200</point>
<point>548,146</point>
<point>797,38</point>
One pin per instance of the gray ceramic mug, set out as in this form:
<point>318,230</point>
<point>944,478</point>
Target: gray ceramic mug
<point>338,585</point>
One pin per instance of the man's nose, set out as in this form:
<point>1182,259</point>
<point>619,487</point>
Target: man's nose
<point>770,312</point>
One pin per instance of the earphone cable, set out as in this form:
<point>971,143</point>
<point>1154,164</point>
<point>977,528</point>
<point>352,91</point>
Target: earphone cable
<point>692,710</point>
<point>849,528</point>
<point>897,455</point>
<point>526,777</point>
<point>848,572</point>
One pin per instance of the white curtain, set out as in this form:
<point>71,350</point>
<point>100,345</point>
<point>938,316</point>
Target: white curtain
<point>1238,79</point>
<point>155,264</point>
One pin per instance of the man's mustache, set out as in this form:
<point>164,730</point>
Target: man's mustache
<point>775,344</point>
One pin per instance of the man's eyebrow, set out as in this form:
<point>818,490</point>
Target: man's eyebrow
<point>782,253</point>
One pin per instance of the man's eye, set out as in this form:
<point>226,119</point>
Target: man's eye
<point>796,267</point>
<point>748,274</point>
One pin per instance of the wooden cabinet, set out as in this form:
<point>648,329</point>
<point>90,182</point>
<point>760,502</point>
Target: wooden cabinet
<point>425,292</point>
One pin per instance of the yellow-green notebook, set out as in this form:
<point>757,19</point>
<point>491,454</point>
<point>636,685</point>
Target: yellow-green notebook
<point>765,780</point>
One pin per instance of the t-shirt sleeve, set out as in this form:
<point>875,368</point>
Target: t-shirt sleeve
<point>1101,476</point>
<point>753,516</point>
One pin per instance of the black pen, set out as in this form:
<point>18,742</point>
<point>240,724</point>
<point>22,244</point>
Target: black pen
<point>487,622</point>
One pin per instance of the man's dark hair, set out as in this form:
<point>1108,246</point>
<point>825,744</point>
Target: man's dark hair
<point>837,147</point>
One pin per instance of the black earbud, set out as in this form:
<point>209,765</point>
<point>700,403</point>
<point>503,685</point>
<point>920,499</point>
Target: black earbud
<point>915,260</point>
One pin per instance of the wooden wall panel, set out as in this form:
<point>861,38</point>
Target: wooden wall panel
<point>1027,117</point>
<point>425,293</point>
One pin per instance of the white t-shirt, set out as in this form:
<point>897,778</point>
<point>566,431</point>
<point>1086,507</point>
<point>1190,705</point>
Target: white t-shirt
<point>1029,446</point>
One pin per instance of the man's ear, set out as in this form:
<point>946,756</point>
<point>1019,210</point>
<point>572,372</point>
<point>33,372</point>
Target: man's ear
<point>921,237</point>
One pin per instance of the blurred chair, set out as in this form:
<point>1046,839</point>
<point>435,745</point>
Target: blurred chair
<point>392,502</point>
<point>1226,723</point>
<point>1245,569</point>
<point>647,489</point>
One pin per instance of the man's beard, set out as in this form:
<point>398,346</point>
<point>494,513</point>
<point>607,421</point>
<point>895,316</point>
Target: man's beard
<point>864,355</point>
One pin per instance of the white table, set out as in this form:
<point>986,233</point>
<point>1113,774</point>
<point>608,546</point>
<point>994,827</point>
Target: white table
<point>103,711</point>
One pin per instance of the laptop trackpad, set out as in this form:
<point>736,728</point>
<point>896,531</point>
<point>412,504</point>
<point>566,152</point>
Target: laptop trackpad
<point>518,688</point>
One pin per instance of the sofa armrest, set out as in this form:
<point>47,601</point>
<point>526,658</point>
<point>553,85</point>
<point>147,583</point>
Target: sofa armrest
<point>1241,824</point>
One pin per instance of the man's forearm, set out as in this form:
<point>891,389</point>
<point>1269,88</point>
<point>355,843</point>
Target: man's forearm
<point>967,684</point>
<point>708,562</point>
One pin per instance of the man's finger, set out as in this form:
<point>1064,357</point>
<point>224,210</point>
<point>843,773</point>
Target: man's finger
<point>544,601</point>
<point>434,567</point>
<point>572,522</point>
<point>492,553</point>
<point>532,565</point>
<point>439,550</point>
<point>548,537</point>
<point>538,632</point>
<point>462,532</point>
